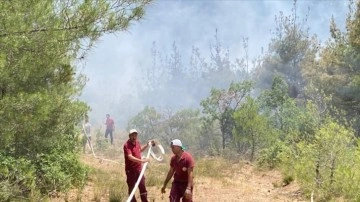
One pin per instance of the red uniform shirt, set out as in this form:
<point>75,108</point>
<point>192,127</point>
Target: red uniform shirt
<point>109,123</point>
<point>135,151</point>
<point>181,167</point>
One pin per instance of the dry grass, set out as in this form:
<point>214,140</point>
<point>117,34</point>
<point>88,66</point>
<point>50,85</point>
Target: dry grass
<point>216,179</point>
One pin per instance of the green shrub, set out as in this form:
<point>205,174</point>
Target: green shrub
<point>17,177</point>
<point>328,166</point>
<point>287,180</point>
<point>101,142</point>
<point>117,192</point>
<point>271,157</point>
<point>58,172</point>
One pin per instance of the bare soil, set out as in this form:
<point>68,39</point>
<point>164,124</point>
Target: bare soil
<point>244,183</point>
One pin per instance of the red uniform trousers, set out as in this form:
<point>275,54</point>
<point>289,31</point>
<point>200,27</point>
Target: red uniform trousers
<point>177,192</point>
<point>132,177</point>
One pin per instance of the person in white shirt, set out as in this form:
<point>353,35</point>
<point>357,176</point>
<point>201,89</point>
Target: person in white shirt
<point>87,133</point>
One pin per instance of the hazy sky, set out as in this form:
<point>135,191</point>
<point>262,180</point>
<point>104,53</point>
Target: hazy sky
<point>113,66</point>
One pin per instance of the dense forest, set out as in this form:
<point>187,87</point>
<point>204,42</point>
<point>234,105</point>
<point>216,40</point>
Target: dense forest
<point>295,108</point>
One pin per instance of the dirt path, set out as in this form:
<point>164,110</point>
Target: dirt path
<point>243,183</point>
<point>246,185</point>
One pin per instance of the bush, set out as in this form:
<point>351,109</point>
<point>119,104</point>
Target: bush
<point>271,157</point>
<point>58,172</point>
<point>16,177</point>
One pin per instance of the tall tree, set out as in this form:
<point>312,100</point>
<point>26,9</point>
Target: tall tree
<point>339,69</point>
<point>221,70</point>
<point>39,43</point>
<point>291,51</point>
<point>221,104</point>
<point>251,129</point>
<point>168,125</point>
<point>148,122</point>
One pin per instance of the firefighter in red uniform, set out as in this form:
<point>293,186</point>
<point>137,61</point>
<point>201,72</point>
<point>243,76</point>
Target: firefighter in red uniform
<point>133,164</point>
<point>181,167</point>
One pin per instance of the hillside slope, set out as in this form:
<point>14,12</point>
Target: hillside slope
<point>234,182</point>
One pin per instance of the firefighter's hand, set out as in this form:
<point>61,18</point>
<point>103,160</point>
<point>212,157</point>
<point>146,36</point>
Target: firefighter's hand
<point>163,190</point>
<point>152,143</point>
<point>188,193</point>
<point>144,160</point>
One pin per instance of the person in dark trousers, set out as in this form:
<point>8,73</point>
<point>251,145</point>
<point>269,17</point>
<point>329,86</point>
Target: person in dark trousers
<point>181,167</point>
<point>110,126</point>
<point>133,164</point>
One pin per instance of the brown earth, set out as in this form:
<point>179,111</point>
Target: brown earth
<point>242,185</point>
<point>238,182</point>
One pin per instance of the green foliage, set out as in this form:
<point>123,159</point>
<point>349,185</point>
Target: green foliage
<point>117,191</point>
<point>272,101</point>
<point>102,143</point>
<point>220,106</point>
<point>294,119</point>
<point>7,190</point>
<point>349,175</point>
<point>106,184</point>
<point>184,124</point>
<point>291,54</point>
<point>298,123</point>
<point>277,95</point>
<point>155,174</point>
<point>205,167</point>
<point>58,171</point>
<point>353,26</point>
<point>40,42</point>
<point>271,156</point>
<point>321,164</point>
<point>17,177</point>
<point>252,128</point>
<point>287,180</point>
<point>49,120</point>
<point>147,123</point>
<point>222,99</point>
<point>210,137</point>
<point>339,66</point>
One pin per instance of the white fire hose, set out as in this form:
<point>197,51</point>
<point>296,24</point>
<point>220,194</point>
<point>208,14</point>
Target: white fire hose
<point>159,158</point>
<point>92,149</point>
<point>150,152</point>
